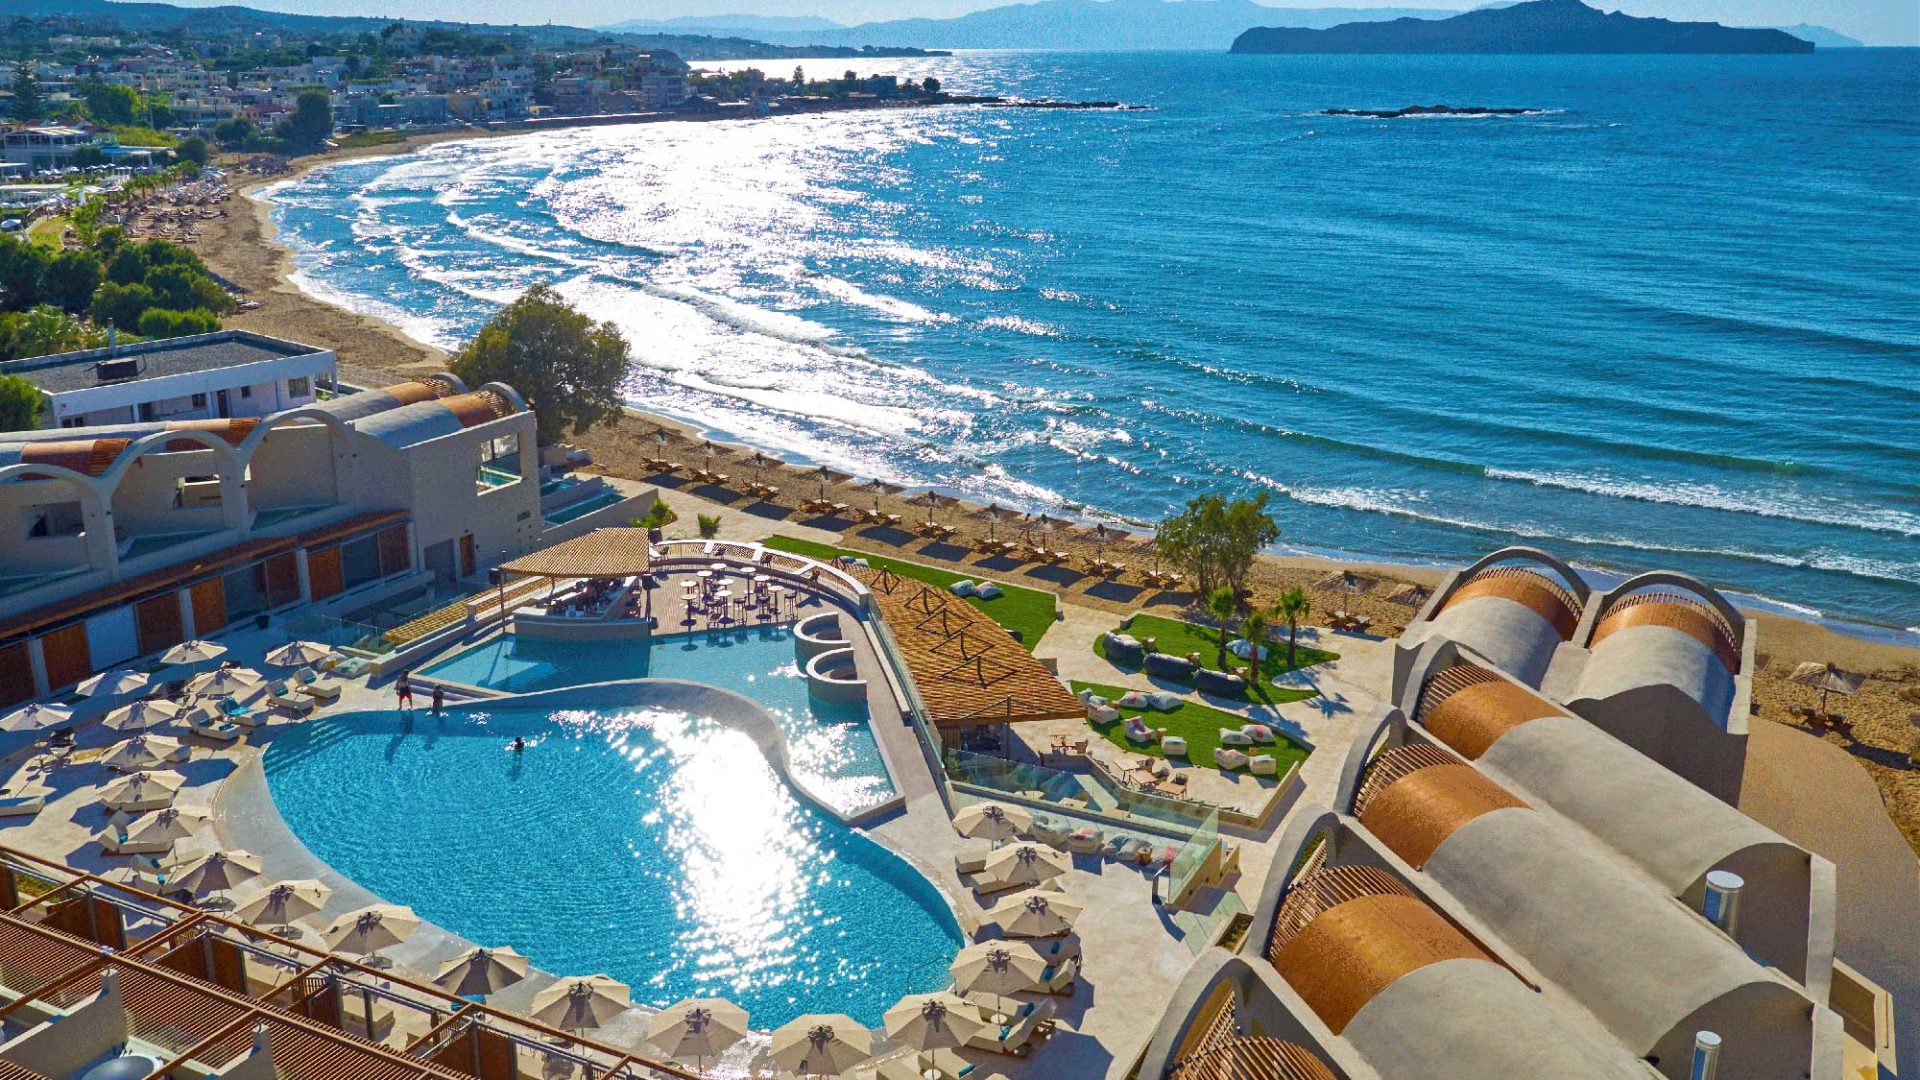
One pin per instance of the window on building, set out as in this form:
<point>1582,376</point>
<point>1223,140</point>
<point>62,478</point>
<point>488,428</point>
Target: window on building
<point>199,401</point>
<point>246,391</point>
<point>73,421</point>
<point>299,387</point>
<point>196,491</point>
<point>55,519</point>
<point>360,561</point>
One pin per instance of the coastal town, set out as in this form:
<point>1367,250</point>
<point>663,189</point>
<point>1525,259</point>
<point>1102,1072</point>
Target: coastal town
<point>377,711</point>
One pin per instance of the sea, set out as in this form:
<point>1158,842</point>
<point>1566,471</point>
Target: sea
<point>1667,317</point>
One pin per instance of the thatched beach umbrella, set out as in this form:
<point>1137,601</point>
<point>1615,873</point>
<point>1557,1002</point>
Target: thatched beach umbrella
<point>1026,864</point>
<point>992,821</point>
<point>928,1022</point>
<point>708,448</point>
<point>193,652</point>
<point>481,972</point>
<point>762,461</point>
<point>280,904</point>
<point>821,1044</point>
<point>36,717</point>
<point>827,477</point>
<point>580,1004</point>
<point>995,513</point>
<point>998,967</point>
<point>880,487</point>
<point>113,683</point>
<point>1040,914</point>
<point>141,715</point>
<point>1409,595</point>
<point>697,1028</point>
<point>933,500</point>
<point>1827,678</point>
<point>1148,545</point>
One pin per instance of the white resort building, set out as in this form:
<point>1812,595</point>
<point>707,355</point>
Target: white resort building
<point>217,376</point>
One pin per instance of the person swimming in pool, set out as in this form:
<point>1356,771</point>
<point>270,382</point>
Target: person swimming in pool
<point>519,744</point>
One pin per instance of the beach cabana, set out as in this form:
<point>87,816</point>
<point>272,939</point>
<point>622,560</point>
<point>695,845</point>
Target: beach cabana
<point>821,1044</point>
<point>481,972</point>
<point>581,1004</point>
<point>697,1029</point>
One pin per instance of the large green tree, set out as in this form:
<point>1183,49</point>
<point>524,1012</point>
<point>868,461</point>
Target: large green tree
<point>111,104</point>
<point>29,102</point>
<point>311,122</point>
<point>567,367</point>
<point>1215,540</point>
<point>19,404</point>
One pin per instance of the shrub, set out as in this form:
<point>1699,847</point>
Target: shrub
<point>709,526</point>
<point>165,323</point>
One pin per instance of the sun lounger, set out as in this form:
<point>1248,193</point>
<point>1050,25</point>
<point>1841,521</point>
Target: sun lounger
<point>968,862</point>
<point>1232,737</point>
<point>314,686</point>
<point>207,721</point>
<point>996,885</point>
<point>1263,765</point>
<point>1122,848</point>
<point>1085,840</point>
<point>1051,833</point>
<point>1228,758</point>
<point>281,695</point>
<point>1102,714</point>
<point>1161,859</point>
<point>1173,746</point>
<point>247,714</point>
<point>115,842</point>
<point>1139,732</point>
<point>1259,733</point>
<point>1016,1037</point>
<point>1057,949</point>
<point>944,1065</point>
<point>1059,978</point>
<point>22,806</point>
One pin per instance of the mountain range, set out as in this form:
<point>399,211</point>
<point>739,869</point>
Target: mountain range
<point>1538,26</point>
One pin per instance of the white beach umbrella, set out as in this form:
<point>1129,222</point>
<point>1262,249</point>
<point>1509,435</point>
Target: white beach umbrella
<point>1040,914</point>
<point>113,683</point>
<point>217,871</point>
<point>161,826</point>
<point>370,929</point>
<point>36,717</point>
<point>142,715</point>
<point>299,654</point>
<point>142,791</point>
<point>697,1028</point>
<point>224,681</point>
<point>998,967</point>
<point>142,752</point>
<point>929,1022</point>
<point>581,1003</point>
<point>480,972</point>
<point>821,1044</point>
<point>1026,864</point>
<point>283,902</point>
<point>992,821</point>
<point>193,652</point>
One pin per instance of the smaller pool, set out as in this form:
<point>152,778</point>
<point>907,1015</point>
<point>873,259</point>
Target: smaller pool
<point>831,746</point>
<point>583,507</point>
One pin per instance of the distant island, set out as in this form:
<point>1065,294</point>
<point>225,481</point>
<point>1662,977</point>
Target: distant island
<point>1539,26</point>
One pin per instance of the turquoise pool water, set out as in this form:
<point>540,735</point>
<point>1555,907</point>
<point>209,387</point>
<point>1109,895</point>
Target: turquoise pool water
<point>583,507</point>
<point>653,846</point>
<point>831,746</point>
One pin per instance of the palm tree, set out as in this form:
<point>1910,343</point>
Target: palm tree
<point>1221,604</point>
<point>1293,605</point>
<point>1254,629</point>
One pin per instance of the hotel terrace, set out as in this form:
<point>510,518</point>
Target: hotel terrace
<point>1513,852</point>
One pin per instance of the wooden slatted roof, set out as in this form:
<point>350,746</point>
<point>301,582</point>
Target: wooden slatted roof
<point>967,668</point>
<point>602,553</point>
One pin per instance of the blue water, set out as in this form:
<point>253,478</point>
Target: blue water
<point>657,848</point>
<point>584,507</point>
<point>1671,320</point>
<point>830,745</point>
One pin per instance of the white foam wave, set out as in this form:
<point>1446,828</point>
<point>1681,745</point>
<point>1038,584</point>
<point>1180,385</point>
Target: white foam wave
<point>890,306</point>
<point>1811,509</point>
<point>1019,325</point>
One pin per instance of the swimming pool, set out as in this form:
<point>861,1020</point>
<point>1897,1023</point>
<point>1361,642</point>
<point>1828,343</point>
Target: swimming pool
<point>582,508</point>
<point>655,846</point>
<point>831,747</point>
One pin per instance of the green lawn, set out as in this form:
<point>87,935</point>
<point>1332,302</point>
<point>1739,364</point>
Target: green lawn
<point>1028,611</point>
<point>1180,638</point>
<point>48,231</point>
<point>1197,724</point>
<point>369,138</point>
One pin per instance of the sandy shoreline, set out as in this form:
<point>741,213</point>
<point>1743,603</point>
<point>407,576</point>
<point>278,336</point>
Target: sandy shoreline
<point>241,246</point>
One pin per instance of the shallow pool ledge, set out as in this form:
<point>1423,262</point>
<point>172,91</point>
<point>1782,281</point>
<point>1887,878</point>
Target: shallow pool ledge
<point>724,707</point>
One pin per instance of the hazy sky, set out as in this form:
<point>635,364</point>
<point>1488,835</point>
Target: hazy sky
<point>1875,21</point>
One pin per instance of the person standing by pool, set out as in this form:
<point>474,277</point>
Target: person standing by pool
<point>403,689</point>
